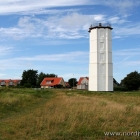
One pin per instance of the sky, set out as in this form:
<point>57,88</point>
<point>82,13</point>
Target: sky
<point>52,36</point>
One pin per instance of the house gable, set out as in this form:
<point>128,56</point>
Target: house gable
<point>83,80</point>
<point>62,82</point>
<point>82,83</point>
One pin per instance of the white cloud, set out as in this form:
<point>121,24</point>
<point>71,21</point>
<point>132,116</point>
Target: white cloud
<point>70,26</point>
<point>13,32</point>
<point>127,52</point>
<point>77,21</point>
<point>129,29</point>
<point>125,61</point>
<point>2,75</point>
<point>26,27</point>
<point>25,23</point>
<point>28,62</point>
<point>117,20</point>
<point>48,11</point>
<point>68,57</point>
<point>39,6</point>
<point>17,6</point>
<point>116,37</point>
<point>126,58</point>
<point>133,63</point>
<point>4,50</point>
<point>122,6</point>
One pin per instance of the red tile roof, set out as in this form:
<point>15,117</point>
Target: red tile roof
<point>16,81</point>
<point>54,81</point>
<point>81,78</point>
<point>10,80</point>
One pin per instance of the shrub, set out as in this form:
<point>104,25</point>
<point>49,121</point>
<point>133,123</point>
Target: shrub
<point>131,81</point>
<point>120,88</point>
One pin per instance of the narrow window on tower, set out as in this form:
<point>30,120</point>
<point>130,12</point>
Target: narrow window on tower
<point>101,33</point>
<point>101,45</point>
<point>102,57</point>
<point>102,69</point>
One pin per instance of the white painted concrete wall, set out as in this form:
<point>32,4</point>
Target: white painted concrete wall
<point>100,63</point>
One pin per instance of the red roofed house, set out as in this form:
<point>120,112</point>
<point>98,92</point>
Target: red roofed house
<point>67,85</point>
<point>82,83</point>
<point>52,82</point>
<point>9,82</point>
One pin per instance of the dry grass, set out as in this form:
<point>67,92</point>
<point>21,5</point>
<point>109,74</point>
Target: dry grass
<point>71,116</point>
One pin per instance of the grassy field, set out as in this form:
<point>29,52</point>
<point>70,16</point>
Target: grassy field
<point>28,114</point>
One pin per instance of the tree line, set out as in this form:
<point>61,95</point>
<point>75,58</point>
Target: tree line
<point>31,78</point>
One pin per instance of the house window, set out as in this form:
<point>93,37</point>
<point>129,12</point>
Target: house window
<point>48,82</point>
<point>2,83</point>
<point>10,83</point>
<point>84,82</point>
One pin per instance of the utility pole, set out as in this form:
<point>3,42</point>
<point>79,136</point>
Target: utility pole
<point>73,81</point>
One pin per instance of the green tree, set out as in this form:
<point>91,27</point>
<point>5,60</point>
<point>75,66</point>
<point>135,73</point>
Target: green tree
<point>51,75</point>
<point>72,82</point>
<point>115,82</point>
<point>29,78</point>
<point>41,76</point>
<point>131,81</point>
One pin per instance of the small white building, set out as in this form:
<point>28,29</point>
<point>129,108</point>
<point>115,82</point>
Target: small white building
<point>82,83</point>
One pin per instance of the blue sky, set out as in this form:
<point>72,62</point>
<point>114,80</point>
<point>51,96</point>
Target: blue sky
<point>52,36</point>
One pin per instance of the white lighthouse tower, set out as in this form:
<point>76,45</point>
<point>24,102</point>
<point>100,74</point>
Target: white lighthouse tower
<point>100,60</point>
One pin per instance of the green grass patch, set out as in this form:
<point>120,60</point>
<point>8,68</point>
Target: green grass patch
<point>67,114</point>
<point>14,100</point>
